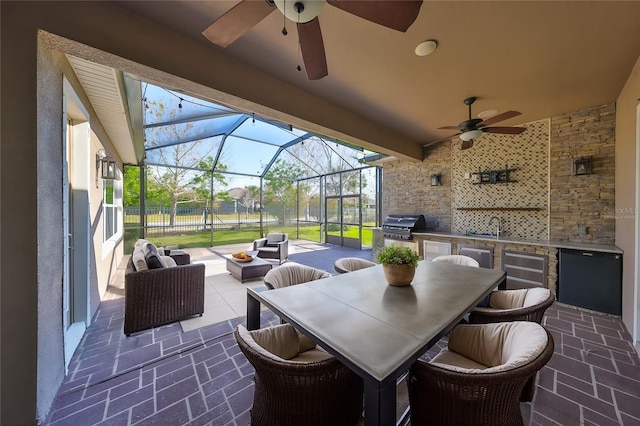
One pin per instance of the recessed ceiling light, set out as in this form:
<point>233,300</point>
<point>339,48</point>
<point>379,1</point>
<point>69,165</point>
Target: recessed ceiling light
<point>487,113</point>
<point>426,47</point>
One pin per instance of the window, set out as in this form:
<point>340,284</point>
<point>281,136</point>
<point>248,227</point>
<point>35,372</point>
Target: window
<point>111,197</point>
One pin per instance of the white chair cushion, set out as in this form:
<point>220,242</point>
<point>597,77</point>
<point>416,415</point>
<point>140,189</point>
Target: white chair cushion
<point>353,263</point>
<point>499,346</point>
<point>281,341</point>
<point>449,359</point>
<point>313,355</point>
<point>507,299</point>
<point>457,259</point>
<point>292,273</point>
<point>536,296</point>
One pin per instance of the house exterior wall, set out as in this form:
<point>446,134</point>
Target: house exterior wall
<point>32,234</point>
<point>50,247</point>
<point>626,202</point>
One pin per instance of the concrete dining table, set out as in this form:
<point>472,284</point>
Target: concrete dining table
<point>375,329</point>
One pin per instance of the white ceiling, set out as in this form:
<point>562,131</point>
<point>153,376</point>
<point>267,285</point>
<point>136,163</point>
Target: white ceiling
<point>539,58</point>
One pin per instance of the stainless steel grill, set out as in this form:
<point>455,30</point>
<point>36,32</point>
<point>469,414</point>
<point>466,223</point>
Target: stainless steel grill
<point>401,226</point>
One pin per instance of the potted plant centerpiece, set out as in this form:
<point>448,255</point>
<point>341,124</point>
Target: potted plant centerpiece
<point>399,264</point>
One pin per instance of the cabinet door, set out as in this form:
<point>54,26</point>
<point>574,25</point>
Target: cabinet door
<point>482,254</point>
<point>524,270</point>
<point>433,249</point>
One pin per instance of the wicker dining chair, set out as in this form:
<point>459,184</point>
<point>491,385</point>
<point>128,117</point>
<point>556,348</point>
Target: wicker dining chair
<point>292,273</point>
<point>528,304</point>
<point>350,264</point>
<point>311,388</point>
<point>479,378</point>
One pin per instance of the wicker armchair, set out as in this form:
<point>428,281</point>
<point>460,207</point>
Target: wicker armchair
<point>350,264</point>
<point>292,273</point>
<point>318,391</point>
<point>155,297</point>
<point>455,390</point>
<point>527,304</point>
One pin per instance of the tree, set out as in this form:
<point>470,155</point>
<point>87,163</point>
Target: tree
<point>280,192</point>
<point>208,183</point>
<point>174,163</point>
<point>250,198</point>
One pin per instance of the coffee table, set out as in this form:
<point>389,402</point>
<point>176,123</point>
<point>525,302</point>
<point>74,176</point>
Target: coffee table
<point>243,271</point>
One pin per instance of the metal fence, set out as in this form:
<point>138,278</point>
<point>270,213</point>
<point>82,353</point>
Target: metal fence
<point>159,220</point>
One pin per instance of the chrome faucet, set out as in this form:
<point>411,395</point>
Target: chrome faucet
<point>499,228</point>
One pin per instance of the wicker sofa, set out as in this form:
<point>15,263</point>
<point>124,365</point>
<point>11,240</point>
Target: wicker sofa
<point>158,290</point>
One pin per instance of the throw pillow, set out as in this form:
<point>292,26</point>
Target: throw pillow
<point>169,261</point>
<point>154,261</point>
<point>138,258</point>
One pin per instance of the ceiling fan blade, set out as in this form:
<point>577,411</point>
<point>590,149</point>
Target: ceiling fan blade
<point>449,127</point>
<point>397,15</point>
<point>237,21</point>
<point>312,47</point>
<point>500,117</point>
<point>466,144</point>
<point>504,130</point>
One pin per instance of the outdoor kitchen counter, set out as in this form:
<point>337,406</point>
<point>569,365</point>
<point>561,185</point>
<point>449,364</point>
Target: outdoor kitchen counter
<point>608,248</point>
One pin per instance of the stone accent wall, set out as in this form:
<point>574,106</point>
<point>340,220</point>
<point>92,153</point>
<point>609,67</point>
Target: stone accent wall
<point>527,153</point>
<point>407,187</point>
<point>583,200</point>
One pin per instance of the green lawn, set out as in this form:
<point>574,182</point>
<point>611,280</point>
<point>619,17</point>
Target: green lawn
<point>244,235</point>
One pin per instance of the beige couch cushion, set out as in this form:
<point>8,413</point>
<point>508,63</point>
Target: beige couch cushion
<point>138,258</point>
<point>499,346</point>
<point>169,261</point>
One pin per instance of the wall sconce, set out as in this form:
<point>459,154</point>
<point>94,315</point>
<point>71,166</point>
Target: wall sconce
<point>106,167</point>
<point>582,166</point>
<point>436,179</point>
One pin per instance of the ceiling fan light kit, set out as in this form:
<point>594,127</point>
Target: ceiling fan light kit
<point>471,129</point>
<point>300,11</point>
<point>471,135</point>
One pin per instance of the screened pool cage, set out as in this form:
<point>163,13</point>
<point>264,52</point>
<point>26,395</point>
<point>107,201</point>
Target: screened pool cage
<point>216,176</point>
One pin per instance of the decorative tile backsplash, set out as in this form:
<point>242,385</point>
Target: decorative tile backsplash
<point>527,153</point>
<point>572,208</point>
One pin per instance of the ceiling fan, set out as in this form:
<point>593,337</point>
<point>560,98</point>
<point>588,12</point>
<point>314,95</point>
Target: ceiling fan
<point>397,15</point>
<point>473,128</point>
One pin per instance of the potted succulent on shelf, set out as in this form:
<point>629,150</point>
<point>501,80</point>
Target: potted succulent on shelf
<point>399,264</point>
